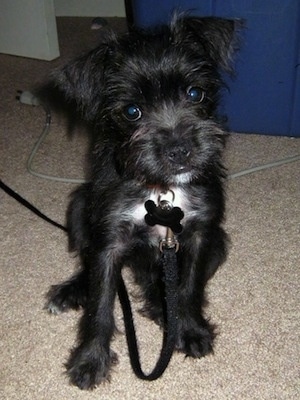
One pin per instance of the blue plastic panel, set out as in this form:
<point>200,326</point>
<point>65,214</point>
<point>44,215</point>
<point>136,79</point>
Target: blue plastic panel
<point>265,96</point>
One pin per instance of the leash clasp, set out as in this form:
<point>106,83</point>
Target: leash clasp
<point>169,242</point>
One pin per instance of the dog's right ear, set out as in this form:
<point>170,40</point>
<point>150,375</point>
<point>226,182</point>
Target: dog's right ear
<point>81,81</point>
<point>219,38</point>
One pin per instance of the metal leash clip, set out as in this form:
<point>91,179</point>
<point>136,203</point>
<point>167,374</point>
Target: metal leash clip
<point>169,242</point>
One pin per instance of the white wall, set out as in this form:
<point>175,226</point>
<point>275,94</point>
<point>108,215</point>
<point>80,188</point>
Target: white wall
<point>89,8</point>
<point>28,29</point>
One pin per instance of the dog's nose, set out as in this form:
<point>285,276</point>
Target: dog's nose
<point>178,154</point>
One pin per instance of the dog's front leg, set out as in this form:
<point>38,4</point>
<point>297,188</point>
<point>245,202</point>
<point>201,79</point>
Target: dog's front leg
<point>200,258</point>
<point>90,362</point>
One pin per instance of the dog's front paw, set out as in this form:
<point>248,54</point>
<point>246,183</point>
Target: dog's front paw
<point>90,366</point>
<point>196,342</point>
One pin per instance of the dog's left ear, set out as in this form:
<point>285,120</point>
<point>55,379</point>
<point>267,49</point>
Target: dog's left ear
<point>81,82</point>
<point>217,37</point>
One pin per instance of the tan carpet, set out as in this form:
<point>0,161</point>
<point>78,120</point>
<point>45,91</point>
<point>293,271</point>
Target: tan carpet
<point>254,297</point>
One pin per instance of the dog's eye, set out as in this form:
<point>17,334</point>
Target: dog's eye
<point>195,94</point>
<point>132,112</point>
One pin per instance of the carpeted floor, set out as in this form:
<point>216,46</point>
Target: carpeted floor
<point>254,298</point>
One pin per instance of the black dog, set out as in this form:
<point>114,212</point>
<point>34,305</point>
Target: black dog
<point>152,99</point>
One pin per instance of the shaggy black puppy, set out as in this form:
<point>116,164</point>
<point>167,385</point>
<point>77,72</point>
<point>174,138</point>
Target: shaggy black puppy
<point>151,98</point>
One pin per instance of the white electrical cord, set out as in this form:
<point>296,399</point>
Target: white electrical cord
<point>34,101</point>
<point>35,149</point>
<point>277,163</point>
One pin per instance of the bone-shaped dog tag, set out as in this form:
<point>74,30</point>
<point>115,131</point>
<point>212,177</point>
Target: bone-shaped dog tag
<point>164,214</point>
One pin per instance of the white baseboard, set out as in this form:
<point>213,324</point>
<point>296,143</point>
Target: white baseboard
<point>89,8</point>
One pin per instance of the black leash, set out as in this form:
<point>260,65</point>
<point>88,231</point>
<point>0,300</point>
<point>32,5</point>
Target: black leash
<point>164,215</point>
<point>169,261</point>
<point>30,207</point>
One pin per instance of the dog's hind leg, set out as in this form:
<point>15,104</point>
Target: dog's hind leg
<point>71,294</point>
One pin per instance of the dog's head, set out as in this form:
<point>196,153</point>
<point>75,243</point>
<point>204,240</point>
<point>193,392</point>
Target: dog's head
<point>153,96</point>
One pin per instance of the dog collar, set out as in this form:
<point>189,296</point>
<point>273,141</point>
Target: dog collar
<point>156,187</point>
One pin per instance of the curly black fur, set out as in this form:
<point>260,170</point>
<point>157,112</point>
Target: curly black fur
<point>152,99</point>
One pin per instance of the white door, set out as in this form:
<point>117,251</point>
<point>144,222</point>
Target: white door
<point>28,29</point>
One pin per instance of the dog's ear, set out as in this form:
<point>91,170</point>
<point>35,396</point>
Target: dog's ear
<point>217,37</point>
<point>81,81</point>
